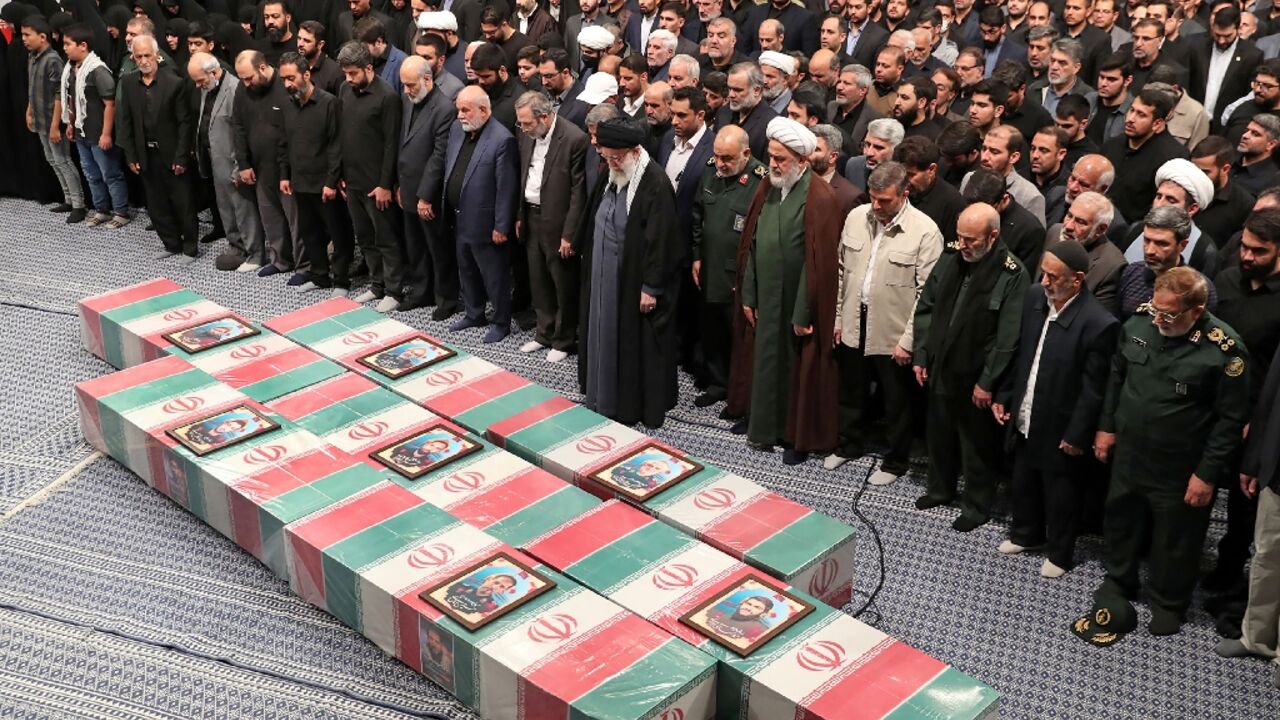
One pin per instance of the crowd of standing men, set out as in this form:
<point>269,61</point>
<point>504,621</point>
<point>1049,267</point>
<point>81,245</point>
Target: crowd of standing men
<point>1046,233</point>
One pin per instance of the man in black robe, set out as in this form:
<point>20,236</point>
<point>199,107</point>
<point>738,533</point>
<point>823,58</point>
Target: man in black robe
<point>631,253</point>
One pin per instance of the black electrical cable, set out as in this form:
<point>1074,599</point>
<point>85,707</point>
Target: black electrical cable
<point>426,715</point>
<point>857,513</point>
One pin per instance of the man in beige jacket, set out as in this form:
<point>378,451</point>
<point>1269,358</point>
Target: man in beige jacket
<point>887,250</point>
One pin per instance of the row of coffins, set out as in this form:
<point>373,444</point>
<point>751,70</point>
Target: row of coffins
<point>334,489</point>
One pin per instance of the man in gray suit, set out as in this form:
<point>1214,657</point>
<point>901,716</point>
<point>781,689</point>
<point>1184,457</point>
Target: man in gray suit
<point>216,158</point>
<point>431,272</point>
<point>552,164</point>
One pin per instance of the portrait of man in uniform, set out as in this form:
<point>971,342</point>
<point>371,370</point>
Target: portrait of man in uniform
<point>215,432</point>
<point>416,456</point>
<point>406,356</point>
<point>747,615</point>
<point>210,334</point>
<point>646,472</point>
<point>487,590</point>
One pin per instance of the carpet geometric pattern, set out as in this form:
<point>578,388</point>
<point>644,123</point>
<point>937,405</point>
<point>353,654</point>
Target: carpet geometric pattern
<point>170,596</point>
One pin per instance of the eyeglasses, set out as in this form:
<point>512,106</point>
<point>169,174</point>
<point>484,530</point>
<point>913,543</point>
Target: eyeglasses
<point>1162,316</point>
<point>965,68</point>
<point>1266,85</point>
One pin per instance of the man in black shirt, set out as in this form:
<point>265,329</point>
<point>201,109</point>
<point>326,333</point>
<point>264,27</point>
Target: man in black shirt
<point>155,132</point>
<point>277,20</point>
<point>324,71</point>
<point>1231,204</point>
<point>1146,146</point>
<point>310,165</point>
<point>929,193</point>
<point>492,75</point>
<point>257,119</point>
<point>371,121</point>
<point>1256,169</point>
<point>1249,301</point>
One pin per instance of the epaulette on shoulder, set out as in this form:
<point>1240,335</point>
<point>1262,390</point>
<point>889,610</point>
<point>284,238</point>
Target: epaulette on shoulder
<point>1219,336</point>
<point>711,161</point>
<point>761,171</point>
<point>1011,264</point>
<point>1142,309</point>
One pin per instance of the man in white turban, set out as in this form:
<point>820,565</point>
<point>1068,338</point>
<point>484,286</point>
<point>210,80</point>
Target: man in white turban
<point>592,43</point>
<point>1180,184</point>
<point>445,24</point>
<point>787,283</point>
<point>777,69</point>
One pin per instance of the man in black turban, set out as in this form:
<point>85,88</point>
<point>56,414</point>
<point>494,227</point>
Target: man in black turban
<point>631,253</point>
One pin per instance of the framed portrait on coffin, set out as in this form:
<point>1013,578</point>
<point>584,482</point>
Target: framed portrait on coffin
<point>429,450</point>
<point>211,333</point>
<point>487,590</point>
<point>222,429</point>
<point>406,356</point>
<point>649,470</point>
<point>746,615</point>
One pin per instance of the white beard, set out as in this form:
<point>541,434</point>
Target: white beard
<point>787,180</point>
<point>622,176</point>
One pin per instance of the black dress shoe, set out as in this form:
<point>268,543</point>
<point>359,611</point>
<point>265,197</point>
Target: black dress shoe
<point>212,235</point>
<point>709,398</point>
<point>964,523</point>
<point>793,457</point>
<point>740,427</point>
<point>444,312</point>
<point>726,415</point>
<point>925,502</point>
<point>77,215</point>
<point>60,208</point>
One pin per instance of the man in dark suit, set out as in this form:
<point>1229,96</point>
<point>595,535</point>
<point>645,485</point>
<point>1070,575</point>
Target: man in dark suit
<point>155,131</point>
<point>430,264</point>
<point>480,211</point>
<point>640,24</point>
<point>746,107</point>
<point>866,38</point>
<point>1222,64</point>
<point>553,197</point>
<point>1051,400</point>
<point>801,25</point>
<point>996,46</point>
<point>684,153</point>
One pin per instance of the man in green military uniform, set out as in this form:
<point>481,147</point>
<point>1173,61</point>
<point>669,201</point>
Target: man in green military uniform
<point>1172,423</point>
<point>966,324</point>
<point>719,214</point>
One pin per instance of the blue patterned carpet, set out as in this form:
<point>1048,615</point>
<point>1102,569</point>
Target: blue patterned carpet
<point>115,603</point>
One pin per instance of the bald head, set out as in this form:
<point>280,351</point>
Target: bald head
<point>415,76</point>
<point>824,68</point>
<point>473,108</point>
<point>253,70</point>
<point>976,230</point>
<point>1091,173</point>
<point>204,70</point>
<point>731,150</point>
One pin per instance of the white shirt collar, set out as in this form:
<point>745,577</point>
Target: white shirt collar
<point>692,142</point>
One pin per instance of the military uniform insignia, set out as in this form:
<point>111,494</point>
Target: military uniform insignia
<point>1139,341</point>
<point>761,171</point>
<point>1102,616</point>
<point>954,245</point>
<point>744,179</point>
<point>739,222</point>
<point>711,161</point>
<point>1143,308</point>
<point>1235,367</point>
<point>1010,264</point>
<point>1194,338</point>
<point>1216,335</point>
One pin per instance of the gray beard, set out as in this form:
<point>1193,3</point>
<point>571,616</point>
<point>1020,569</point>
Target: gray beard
<point>787,180</point>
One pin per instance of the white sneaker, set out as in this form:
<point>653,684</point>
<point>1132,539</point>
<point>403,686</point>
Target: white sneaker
<point>248,266</point>
<point>880,477</point>
<point>307,286</point>
<point>1049,570</point>
<point>555,356</point>
<point>364,297</point>
<point>340,292</point>
<point>834,461</point>
<point>387,304</point>
<point>531,346</point>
